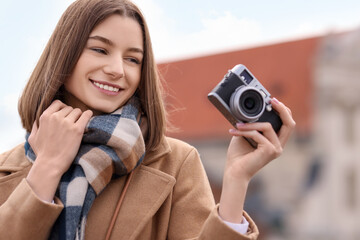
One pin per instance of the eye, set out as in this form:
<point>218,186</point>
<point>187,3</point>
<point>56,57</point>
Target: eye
<point>134,60</point>
<point>99,50</point>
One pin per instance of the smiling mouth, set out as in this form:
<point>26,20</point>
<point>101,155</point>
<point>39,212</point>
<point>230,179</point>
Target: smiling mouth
<point>106,87</point>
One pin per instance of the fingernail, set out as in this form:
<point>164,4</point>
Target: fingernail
<point>240,124</point>
<point>274,100</point>
<point>232,130</point>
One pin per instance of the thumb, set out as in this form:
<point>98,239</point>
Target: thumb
<point>34,128</point>
<point>33,133</point>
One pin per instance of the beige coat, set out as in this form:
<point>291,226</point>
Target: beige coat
<point>169,197</point>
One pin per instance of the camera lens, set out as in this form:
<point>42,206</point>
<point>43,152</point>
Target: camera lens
<point>247,103</point>
<point>251,102</point>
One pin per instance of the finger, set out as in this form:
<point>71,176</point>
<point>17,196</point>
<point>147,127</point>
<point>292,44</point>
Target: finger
<point>264,127</point>
<point>288,109</point>
<point>34,130</point>
<point>253,134</point>
<point>284,112</point>
<point>284,135</point>
<point>288,122</point>
<point>55,106</point>
<point>64,112</point>
<point>33,133</point>
<point>74,115</point>
<point>84,119</point>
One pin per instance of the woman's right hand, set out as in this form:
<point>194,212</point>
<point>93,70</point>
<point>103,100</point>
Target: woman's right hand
<point>55,142</point>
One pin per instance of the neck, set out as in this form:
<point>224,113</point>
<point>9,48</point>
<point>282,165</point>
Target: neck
<point>74,102</point>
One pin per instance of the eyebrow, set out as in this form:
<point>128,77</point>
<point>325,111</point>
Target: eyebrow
<point>110,43</point>
<point>102,39</point>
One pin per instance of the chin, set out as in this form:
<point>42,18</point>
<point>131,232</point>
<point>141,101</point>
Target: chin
<point>102,110</point>
<point>104,107</point>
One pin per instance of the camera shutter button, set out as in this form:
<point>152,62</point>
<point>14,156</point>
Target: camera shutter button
<point>268,108</point>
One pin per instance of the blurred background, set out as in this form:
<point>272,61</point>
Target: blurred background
<point>307,54</point>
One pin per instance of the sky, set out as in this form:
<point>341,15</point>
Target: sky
<point>179,30</point>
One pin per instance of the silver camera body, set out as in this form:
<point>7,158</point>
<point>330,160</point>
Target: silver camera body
<point>240,97</point>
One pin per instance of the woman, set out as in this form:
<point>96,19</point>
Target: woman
<point>96,163</point>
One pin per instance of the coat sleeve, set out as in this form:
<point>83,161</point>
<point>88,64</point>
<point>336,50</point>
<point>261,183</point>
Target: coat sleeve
<point>24,216</point>
<point>193,206</point>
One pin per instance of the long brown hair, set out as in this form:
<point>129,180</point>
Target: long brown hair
<point>63,51</point>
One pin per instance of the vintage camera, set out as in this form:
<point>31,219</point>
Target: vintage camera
<point>240,97</point>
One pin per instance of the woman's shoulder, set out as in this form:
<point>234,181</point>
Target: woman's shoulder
<point>181,149</point>
<point>171,156</point>
<point>14,166</point>
<point>14,157</point>
<point>171,153</point>
<point>177,144</point>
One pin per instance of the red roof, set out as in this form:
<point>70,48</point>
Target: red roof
<point>285,70</point>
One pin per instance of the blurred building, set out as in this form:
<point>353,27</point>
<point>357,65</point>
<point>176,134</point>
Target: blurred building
<point>334,203</point>
<point>312,190</point>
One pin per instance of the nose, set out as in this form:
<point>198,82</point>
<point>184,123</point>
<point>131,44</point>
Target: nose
<point>114,68</point>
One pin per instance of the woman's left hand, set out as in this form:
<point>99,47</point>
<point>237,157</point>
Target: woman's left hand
<point>244,161</point>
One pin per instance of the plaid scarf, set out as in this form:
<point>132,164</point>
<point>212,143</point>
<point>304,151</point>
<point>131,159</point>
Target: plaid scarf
<point>112,146</point>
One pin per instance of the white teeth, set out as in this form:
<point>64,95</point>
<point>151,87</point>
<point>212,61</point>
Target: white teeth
<point>106,87</point>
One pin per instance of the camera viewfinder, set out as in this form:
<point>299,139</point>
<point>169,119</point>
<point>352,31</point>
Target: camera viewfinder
<point>245,76</point>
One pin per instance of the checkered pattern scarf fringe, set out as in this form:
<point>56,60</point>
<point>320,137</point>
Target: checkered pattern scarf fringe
<point>112,146</point>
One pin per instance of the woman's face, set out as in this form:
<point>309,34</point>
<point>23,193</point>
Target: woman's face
<point>109,69</point>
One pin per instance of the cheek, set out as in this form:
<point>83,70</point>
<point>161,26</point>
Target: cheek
<point>69,85</point>
<point>135,81</point>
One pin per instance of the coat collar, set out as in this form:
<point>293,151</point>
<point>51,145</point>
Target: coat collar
<point>148,190</point>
